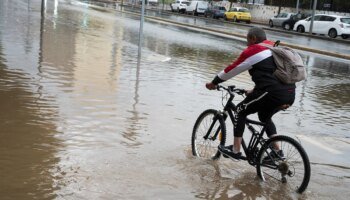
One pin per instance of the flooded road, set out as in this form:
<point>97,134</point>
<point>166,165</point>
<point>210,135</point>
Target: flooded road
<point>81,119</point>
<point>341,47</point>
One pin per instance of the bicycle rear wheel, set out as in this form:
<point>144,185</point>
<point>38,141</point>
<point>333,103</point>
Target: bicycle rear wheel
<point>208,133</point>
<point>290,168</point>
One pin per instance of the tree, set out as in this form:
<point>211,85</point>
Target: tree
<point>231,1</point>
<point>280,5</point>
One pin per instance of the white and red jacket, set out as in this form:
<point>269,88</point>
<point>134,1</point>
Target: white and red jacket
<point>259,61</point>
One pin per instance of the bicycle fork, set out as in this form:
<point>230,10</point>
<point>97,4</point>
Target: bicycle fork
<point>213,138</point>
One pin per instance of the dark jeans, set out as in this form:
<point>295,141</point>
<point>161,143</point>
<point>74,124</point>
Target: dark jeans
<point>265,105</point>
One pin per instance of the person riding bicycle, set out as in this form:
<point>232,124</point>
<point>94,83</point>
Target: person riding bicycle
<point>269,94</point>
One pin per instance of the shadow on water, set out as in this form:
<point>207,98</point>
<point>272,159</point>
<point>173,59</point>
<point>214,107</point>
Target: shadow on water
<point>28,144</point>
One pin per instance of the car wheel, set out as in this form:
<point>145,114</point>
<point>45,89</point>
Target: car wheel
<point>248,22</point>
<point>225,18</point>
<point>271,23</point>
<point>286,26</point>
<point>332,33</point>
<point>301,29</point>
<point>344,36</point>
<point>234,19</point>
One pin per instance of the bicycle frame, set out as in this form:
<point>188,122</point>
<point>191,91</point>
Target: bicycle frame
<point>257,137</point>
<point>266,154</point>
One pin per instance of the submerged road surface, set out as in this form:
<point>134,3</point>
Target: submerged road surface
<point>82,120</point>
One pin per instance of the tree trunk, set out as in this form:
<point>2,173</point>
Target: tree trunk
<point>279,7</point>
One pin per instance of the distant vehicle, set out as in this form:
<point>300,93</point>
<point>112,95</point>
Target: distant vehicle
<point>153,2</point>
<point>215,12</point>
<point>331,25</point>
<point>279,19</point>
<point>286,20</point>
<point>197,7</point>
<point>179,6</point>
<point>238,14</point>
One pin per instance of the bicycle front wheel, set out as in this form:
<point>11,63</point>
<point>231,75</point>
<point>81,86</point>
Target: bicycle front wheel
<point>289,167</point>
<point>208,133</point>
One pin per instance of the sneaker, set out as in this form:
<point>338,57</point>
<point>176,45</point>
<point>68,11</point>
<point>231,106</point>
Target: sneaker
<point>228,153</point>
<point>274,156</point>
<point>227,147</point>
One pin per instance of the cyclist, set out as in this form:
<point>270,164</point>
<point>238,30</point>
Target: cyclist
<point>267,97</point>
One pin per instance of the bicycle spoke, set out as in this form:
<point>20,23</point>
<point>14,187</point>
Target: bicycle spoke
<point>206,147</point>
<point>290,167</point>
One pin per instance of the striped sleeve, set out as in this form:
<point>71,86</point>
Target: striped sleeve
<point>250,56</point>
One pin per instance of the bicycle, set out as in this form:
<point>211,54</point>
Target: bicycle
<point>292,168</point>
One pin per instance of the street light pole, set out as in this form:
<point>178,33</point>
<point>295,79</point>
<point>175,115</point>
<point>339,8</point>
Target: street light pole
<point>297,8</point>
<point>313,16</point>
<point>141,29</point>
<point>43,6</point>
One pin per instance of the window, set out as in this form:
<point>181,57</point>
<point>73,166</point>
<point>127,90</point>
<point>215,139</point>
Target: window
<point>243,10</point>
<point>327,18</point>
<point>281,15</point>
<point>317,17</point>
<point>345,20</point>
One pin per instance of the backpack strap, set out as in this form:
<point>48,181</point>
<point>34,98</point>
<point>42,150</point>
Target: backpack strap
<point>277,43</point>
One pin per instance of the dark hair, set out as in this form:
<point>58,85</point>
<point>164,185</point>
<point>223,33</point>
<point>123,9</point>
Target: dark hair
<point>259,33</point>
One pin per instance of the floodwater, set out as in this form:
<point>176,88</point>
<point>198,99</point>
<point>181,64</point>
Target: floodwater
<point>81,119</point>
<point>341,47</point>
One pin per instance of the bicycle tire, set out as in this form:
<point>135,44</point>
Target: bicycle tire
<point>199,131</point>
<point>285,165</point>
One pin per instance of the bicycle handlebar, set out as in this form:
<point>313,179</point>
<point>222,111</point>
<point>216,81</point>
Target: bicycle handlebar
<point>232,89</point>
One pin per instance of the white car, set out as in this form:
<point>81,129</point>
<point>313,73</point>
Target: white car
<point>197,7</point>
<point>331,25</point>
<point>179,6</point>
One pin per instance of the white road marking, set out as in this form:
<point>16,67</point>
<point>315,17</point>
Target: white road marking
<point>318,144</point>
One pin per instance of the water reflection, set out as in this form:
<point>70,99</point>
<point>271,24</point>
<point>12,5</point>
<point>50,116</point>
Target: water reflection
<point>93,119</point>
<point>28,145</point>
<point>227,180</point>
<point>329,86</point>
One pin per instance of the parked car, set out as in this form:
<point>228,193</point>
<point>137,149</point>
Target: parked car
<point>179,6</point>
<point>286,20</point>
<point>153,2</point>
<point>331,25</point>
<point>197,7</point>
<point>289,23</point>
<point>238,14</point>
<point>279,19</point>
<point>215,12</point>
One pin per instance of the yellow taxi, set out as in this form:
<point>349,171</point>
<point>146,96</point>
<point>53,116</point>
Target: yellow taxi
<point>237,14</point>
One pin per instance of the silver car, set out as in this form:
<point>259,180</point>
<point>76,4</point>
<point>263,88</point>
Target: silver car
<point>279,19</point>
